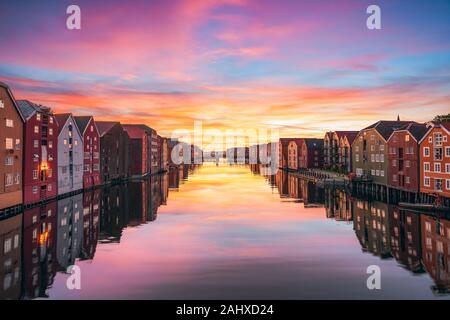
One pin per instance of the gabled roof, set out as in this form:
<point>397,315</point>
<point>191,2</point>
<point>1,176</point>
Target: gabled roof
<point>104,126</point>
<point>417,130</point>
<point>8,90</point>
<point>142,127</point>
<point>351,136</point>
<point>385,128</point>
<point>82,122</point>
<point>61,118</point>
<point>298,141</point>
<point>313,142</point>
<point>135,132</point>
<point>28,108</point>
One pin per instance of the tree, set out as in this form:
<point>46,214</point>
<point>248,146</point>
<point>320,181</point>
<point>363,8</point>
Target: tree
<point>442,118</point>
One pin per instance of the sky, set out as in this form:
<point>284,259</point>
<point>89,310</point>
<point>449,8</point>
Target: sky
<point>298,67</point>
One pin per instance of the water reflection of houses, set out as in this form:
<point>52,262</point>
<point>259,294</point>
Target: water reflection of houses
<point>91,212</point>
<point>131,205</point>
<point>69,230</point>
<point>39,250</point>
<point>282,183</point>
<point>371,225</point>
<point>436,251</point>
<point>338,204</point>
<point>404,231</point>
<point>11,257</point>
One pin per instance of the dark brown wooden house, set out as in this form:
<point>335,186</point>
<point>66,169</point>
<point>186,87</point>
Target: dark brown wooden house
<point>114,151</point>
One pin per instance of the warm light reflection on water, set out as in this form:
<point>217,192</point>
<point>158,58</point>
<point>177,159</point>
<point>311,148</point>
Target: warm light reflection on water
<point>228,232</point>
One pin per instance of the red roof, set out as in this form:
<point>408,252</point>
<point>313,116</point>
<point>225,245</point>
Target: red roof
<point>61,118</point>
<point>134,131</point>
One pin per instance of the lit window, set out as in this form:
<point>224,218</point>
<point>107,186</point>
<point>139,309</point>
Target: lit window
<point>38,117</point>
<point>9,143</point>
<point>35,174</point>
<point>36,143</point>
<point>51,120</point>
<point>50,131</point>
<point>92,128</point>
<point>2,104</point>
<point>17,144</point>
<point>65,141</point>
<point>407,138</point>
<point>9,123</point>
<point>36,129</point>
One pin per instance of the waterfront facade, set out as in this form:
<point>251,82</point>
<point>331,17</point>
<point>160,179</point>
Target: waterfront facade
<point>114,145</point>
<point>40,176</point>
<point>139,150</point>
<point>294,148</point>
<point>283,152</point>
<point>369,156</point>
<point>91,146</point>
<point>435,160</point>
<point>11,149</point>
<point>311,153</point>
<point>403,157</point>
<point>70,154</point>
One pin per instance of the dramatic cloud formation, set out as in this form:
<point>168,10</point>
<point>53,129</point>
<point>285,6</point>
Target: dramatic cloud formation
<point>301,66</point>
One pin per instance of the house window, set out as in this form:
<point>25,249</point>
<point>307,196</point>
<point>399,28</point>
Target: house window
<point>447,184</point>
<point>36,129</point>
<point>49,187</point>
<point>50,131</point>
<point>7,245</point>
<point>9,143</point>
<point>426,181</point>
<point>426,152</point>
<point>372,172</point>
<point>447,168</point>
<point>36,143</point>
<point>9,161</point>
<point>447,152</point>
<point>372,148</point>
<point>394,177</point>
<point>76,142</point>
<point>438,154</point>
<point>50,173</point>
<point>38,117</point>
<point>9,179</point>
<point>92,128</point>
<point>357,157</point>
<point>437,167</point>
<point>50,144</point>
<point>377,157</point>
<point>426,167</point>
<point>17,178</point>
<point>407,180</point>
<point>51,120</point>
<point>407,138</point>
<point>35,189</point>
<point>382,147</point>
<point>438,139</point>
<point>407,164</point>
<point>357,148</point>
<point>35,174</point>
<point>2,104</point>
<point>9,123</point>
<point>438,184</point>
<point>394,163</point>
<point>372,157</point>
<point>17,144</point>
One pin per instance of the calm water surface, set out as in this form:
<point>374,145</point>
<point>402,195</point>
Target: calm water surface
<point>224,232</point>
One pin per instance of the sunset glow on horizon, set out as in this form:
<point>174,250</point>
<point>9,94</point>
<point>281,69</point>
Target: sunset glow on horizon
<point>302,67</point>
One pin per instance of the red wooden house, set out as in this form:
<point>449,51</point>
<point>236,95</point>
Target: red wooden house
<point>435,160</point>
<point>403,157</point>
<point>91,145</point>
<point>40,181</point>
<point>139,150</point>
<point>311,154</point>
